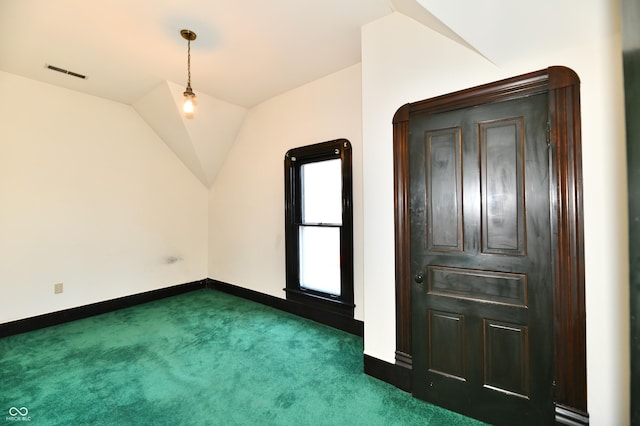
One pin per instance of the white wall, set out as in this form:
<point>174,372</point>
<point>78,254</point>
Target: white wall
<point>92,198</point>
<point>246,202</point>
<point>402,62</point>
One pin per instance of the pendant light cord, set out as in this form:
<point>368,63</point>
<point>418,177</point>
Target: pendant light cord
<point>189,64</point>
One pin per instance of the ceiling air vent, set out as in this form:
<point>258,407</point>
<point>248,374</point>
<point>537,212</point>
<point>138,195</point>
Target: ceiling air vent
<point>62,70</point>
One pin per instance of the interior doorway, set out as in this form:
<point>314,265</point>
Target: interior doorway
<point>489,273</point>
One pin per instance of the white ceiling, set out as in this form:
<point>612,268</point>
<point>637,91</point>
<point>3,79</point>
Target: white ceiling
<point>246,51</point>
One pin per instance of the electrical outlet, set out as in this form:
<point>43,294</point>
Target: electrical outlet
<point>58,288</point>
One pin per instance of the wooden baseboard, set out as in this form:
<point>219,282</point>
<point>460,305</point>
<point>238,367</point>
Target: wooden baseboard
<point>72,314</point>
<point>341,322</point>
<point>393,374</point>
<point>570,416</point>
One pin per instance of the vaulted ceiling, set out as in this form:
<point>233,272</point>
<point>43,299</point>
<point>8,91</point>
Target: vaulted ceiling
<point>246,51</point>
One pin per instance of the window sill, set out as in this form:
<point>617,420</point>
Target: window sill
<point>319,301</point>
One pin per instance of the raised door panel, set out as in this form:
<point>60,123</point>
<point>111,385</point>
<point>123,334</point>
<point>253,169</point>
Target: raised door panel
<point>443,161</point>
<point>447,348</point>
<point>502,186</point>
<point>506,358</point>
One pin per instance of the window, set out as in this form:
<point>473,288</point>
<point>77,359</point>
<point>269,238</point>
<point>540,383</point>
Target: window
<point>319,226</point>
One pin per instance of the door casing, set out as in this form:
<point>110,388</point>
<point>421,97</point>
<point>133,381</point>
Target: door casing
<point>567,234</point>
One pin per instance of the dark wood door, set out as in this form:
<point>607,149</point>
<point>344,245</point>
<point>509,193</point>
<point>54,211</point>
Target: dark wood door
<point>481,258</point>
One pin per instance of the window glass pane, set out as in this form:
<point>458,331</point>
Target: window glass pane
<point>322,192</point>
<point>320,259</point>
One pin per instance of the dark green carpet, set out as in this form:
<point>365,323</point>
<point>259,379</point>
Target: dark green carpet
<point>200,358</point>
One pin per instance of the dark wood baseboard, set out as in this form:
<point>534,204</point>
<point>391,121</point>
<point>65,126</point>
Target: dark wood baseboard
<point>393,374</point>
<point>569,416</point>
<point>72,314</point>
<point>341,322</point>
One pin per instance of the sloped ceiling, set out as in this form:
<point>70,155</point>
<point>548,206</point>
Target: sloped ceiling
<point>200,140</point>
<point>246,51</point>
<point>501,30</point>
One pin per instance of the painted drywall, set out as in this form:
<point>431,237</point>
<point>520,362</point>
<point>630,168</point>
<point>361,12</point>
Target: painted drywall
<point>246,202</point>
<point>92,198</point>
<point>402,62</point>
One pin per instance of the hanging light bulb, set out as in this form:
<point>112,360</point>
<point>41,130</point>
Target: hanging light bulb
<point>188,103</point>
<point>189,96</point>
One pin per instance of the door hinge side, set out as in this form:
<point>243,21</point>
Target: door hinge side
<point>548,134</point>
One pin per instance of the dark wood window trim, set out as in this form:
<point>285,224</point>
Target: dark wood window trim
<point>294,159</point>
<point>563,88</point>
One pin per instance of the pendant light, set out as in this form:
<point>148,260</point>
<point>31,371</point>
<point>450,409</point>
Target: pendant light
<point>189,96</point>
